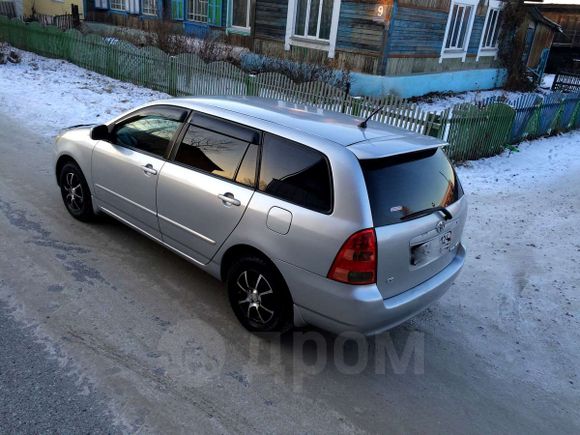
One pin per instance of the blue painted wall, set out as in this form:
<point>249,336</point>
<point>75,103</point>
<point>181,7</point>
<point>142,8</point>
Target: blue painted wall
<point>416,31</point>
<point>421,84</point>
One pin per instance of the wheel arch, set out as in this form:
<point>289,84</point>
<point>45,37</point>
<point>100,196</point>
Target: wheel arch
<point>63,160</point>
<point>238,251</point>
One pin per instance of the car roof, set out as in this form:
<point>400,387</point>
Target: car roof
<point>377,140</point>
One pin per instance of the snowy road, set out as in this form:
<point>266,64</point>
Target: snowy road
<point>154,336</point>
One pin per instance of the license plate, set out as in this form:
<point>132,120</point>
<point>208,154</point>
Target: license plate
<point>431,250</point>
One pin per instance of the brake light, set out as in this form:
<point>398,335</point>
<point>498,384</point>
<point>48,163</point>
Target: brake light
<point>356,262</point>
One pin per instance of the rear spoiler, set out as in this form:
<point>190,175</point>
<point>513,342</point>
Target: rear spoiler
<point>382,147</point>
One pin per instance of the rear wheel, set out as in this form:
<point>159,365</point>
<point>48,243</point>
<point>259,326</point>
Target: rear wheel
<point>75,192</point>
<point>259,296</point>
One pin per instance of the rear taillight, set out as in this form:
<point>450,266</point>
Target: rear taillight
<point>356,262</point>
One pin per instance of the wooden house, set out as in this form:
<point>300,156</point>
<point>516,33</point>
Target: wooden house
<point>455,42</point>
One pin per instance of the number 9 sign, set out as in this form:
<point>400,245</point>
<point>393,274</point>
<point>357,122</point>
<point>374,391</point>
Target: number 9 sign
<point>380,11</point>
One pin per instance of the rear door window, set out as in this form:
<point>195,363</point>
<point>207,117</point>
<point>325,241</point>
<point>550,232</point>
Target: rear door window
<point>401,185</point>
<point>295,173</point>
<point>220,148</point>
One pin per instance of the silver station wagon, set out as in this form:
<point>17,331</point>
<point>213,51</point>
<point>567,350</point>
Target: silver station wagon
<point>309,216</point>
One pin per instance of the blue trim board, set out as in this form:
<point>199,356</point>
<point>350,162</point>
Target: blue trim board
<point>421,84</point>
<point>387,46</point>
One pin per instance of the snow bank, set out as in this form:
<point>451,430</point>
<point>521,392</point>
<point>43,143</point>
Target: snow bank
<point>51,94</point>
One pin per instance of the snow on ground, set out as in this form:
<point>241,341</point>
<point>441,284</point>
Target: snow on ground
<point>68,94</point>
<point>442,102</point>
<point>535,162</point>
<point>438,103</point>
<point>548,81</point>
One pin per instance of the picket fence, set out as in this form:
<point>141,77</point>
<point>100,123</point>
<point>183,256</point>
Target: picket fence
<point>472,130</point>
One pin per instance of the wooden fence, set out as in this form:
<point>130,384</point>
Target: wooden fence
<point>566,82</point>
<point>62,22</point>
<point>472,131</point>
<point>7,9</point>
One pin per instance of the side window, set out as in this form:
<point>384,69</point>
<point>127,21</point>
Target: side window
<point>150,131</point>
<point>212,152</point>
<point>295,173</point>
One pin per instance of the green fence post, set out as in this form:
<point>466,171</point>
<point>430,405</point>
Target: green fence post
<point>172,76</point>
<point>251,85</point>
<point>575,116</point>
<point>356,106</point>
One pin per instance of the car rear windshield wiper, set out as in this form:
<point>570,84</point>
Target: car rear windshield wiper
<point>428,211</point>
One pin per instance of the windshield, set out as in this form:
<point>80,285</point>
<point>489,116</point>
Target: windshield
<point>402,185</point>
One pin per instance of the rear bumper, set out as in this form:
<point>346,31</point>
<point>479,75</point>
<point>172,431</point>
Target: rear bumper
<point>341,307</point>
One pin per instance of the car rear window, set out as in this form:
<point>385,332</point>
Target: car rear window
<point>400,185</point>
<point>295,173</point>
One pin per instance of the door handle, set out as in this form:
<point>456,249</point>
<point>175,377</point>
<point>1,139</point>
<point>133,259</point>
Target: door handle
<point>149,170</point>
<point>229,199</point>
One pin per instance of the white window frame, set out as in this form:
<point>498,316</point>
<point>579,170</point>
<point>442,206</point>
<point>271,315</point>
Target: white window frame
<point>144,9</point>
<point>190,16</point>
<point>240,29</point>
<point>494,5</point>
<point>101,4</point>
<point>455,53</point>
<point>310,41</point>
<point>125,4</point>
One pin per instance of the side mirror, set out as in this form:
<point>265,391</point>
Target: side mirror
<point>100,132</point>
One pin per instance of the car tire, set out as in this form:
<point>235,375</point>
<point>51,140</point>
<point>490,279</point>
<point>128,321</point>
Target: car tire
<point>259,296</point>
<point>75,192</point>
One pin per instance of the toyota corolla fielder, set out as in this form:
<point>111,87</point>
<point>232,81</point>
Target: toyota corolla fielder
<point>310,217</point>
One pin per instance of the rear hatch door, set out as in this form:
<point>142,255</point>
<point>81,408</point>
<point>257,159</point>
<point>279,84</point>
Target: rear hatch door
<point>415,240</point>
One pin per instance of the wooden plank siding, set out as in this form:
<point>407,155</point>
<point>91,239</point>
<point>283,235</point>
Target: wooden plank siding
<point>569,19</point>
<point>542,40</point>
<point>360,38</point>
<point>417,34</point>
<point>358,31</point>
<point>270,19</point>
<point>476,34</point>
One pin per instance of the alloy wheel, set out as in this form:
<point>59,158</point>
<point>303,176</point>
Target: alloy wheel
<point>74,197</point>
<point>253,296</point>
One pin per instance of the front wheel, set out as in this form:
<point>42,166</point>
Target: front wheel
<point>75,192</point>
<point>259,296</point>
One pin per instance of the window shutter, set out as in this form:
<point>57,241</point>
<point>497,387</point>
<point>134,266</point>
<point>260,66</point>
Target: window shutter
<point>215,13</point>
<point>177,9</point>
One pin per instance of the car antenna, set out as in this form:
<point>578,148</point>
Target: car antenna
<point>363,124</point>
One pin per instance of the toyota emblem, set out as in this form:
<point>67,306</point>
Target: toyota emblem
<point>440,226</point>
